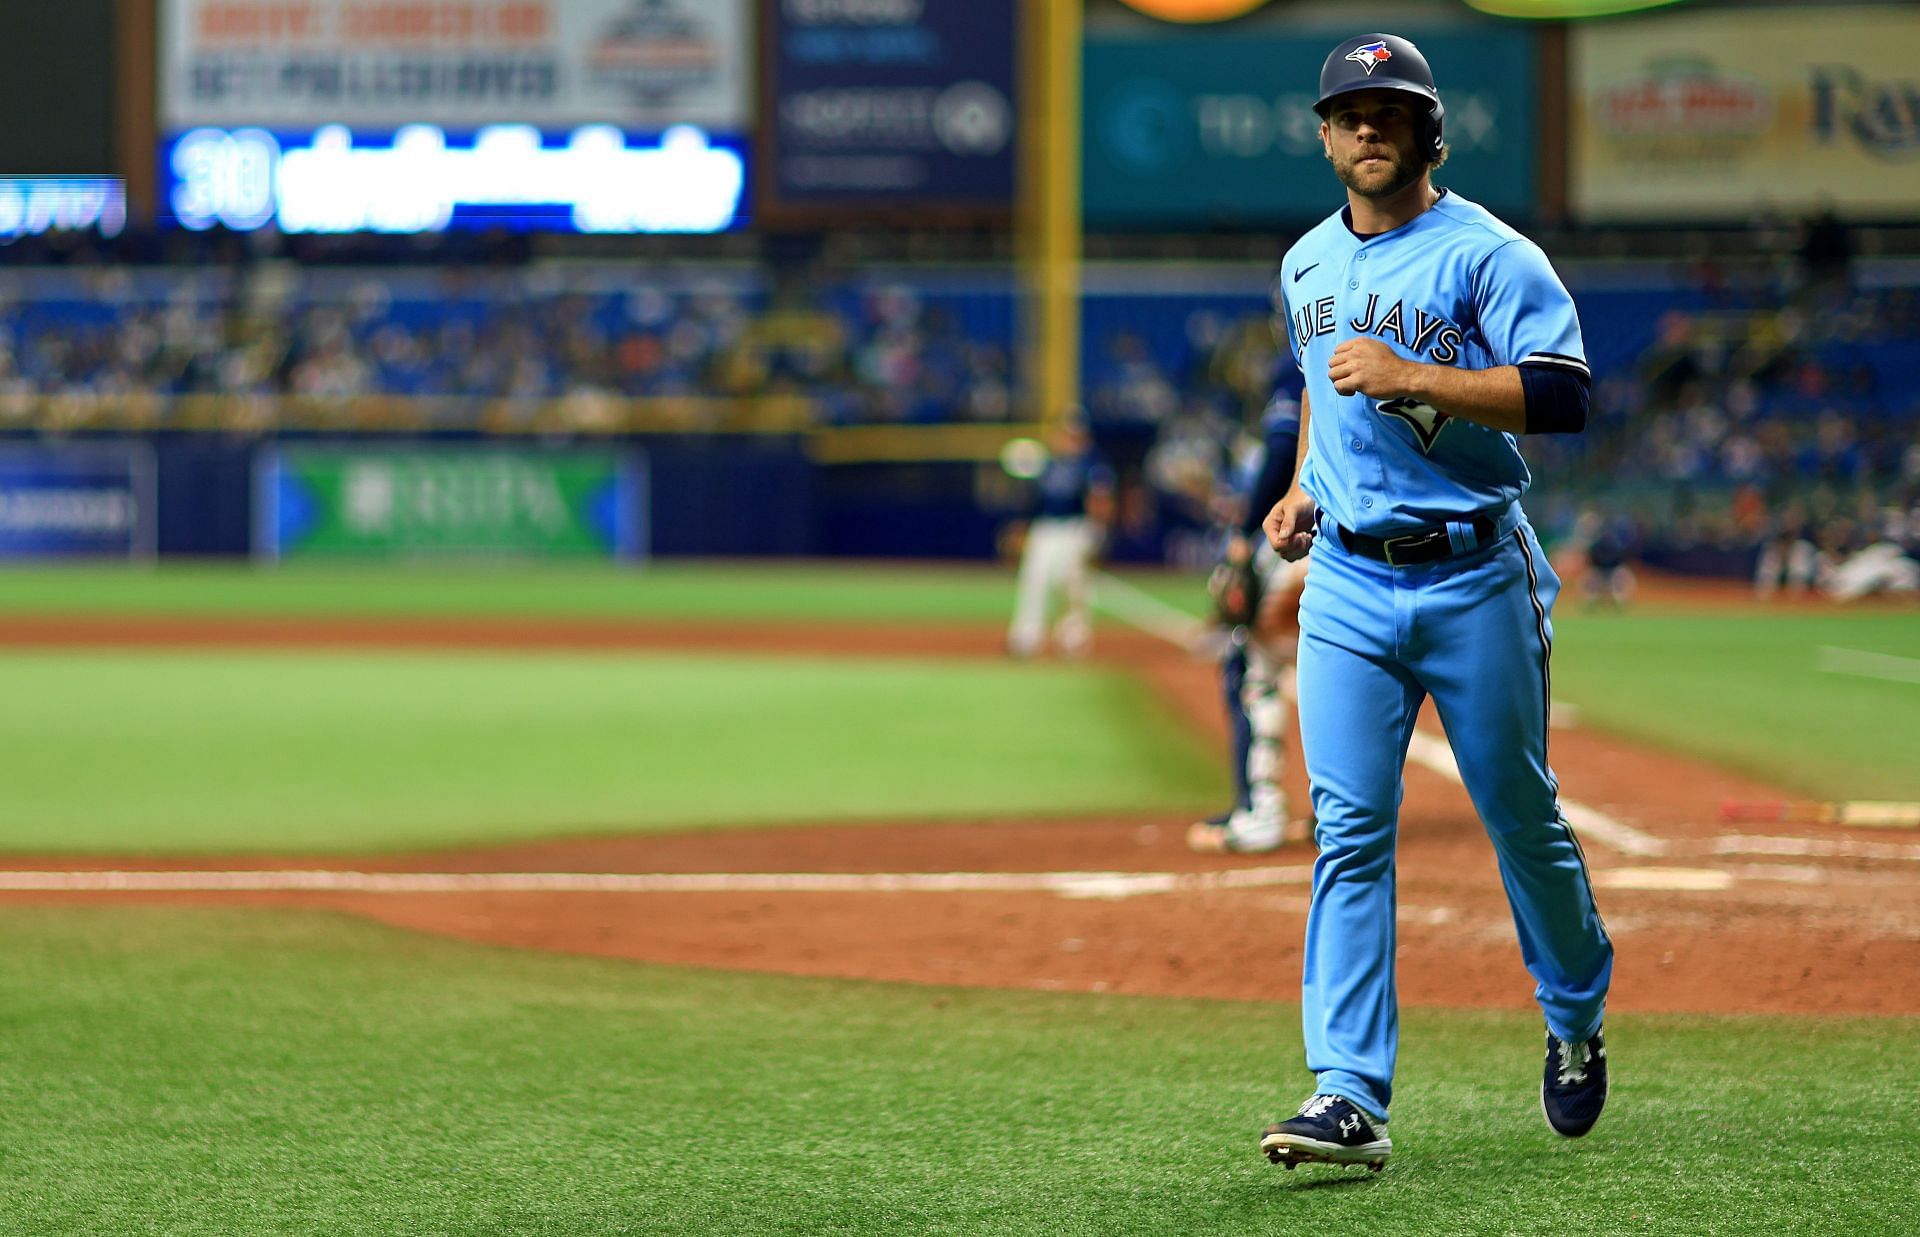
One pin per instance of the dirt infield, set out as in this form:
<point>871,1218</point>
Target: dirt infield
<point>1797,920</point>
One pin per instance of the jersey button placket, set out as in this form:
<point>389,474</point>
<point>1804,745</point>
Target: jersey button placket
<point>1359,446</point>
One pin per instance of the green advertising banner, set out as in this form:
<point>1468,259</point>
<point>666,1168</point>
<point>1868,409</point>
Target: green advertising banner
<point>1187,128</point>
<point>378,502</point>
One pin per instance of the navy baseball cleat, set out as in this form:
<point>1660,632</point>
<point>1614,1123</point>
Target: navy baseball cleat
<point>1574,1089</point>
<point>1328,1130</point>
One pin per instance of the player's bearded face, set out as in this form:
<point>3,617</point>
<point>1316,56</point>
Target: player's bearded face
<point>1369,139</point>
<point>1378,171</point>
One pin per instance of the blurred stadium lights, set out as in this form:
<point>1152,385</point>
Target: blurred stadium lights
<point>36,205</point>
<point>1024,458</point>
<point>424,180</point>
<point>1200,12</point>
<point>1195,11</point>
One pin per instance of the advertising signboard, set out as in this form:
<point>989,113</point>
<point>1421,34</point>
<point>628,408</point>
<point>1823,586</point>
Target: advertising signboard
<point>1202,128</point>
<point>1720,114</point>
<point>890,103</point>
<point>641,65</point>
<point>422,115</point>
<point>95,500</point>
<point>440,502</point>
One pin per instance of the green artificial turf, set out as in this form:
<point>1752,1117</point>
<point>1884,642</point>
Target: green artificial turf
<point>1745,689</point>
<point>342,752</point>
<point>1738,687</point>
<point>671,590</point>
<point>204,1071</point>
<point>771,591</point>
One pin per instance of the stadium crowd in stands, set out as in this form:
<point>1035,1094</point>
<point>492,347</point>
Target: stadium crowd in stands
<point>1764,428</point>
<point>1744,419</point>
<point>97,341</point>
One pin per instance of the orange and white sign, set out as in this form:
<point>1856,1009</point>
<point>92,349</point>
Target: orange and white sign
<point>1724,114</point>
<point>460,64</point>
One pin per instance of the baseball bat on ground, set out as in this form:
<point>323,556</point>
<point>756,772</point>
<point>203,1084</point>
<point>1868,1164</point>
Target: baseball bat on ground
<point>1876,814</point>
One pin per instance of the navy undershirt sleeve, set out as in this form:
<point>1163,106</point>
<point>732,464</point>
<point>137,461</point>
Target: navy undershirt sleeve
<point>1557,398</point>
<point>1276,474</point>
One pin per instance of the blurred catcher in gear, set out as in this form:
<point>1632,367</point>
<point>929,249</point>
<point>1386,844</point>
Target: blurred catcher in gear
<point>1255,597</point>
<point>1072,505</point>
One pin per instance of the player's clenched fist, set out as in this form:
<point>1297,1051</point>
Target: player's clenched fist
<point>1290,525</point>
<point>1368,367</point>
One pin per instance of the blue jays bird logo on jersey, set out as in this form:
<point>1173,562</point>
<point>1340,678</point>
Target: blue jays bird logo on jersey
<point>1370,56</point>
<point>1425,420</point>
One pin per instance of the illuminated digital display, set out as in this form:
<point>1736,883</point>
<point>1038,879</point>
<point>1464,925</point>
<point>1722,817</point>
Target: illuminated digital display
<point>422,178</point>
<point>33,205</point>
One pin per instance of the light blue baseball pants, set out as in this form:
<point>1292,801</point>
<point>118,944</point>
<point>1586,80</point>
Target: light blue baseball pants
<point>1474,633</point>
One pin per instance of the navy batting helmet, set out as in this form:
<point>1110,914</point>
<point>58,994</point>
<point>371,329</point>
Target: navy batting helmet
<point>1384,62</point>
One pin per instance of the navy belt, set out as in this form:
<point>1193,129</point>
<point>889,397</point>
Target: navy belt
<point>1422,545</point>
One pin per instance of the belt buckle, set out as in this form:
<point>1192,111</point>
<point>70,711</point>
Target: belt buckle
<point>1412,541</point>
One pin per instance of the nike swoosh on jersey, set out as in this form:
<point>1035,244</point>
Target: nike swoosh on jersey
<point>1297,275</point>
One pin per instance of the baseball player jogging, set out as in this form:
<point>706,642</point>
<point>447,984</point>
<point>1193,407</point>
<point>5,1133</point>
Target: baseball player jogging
<point>1255,594</point>
<point>1431,335</point>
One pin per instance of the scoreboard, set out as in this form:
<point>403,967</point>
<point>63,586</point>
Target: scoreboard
<point>407,116</point>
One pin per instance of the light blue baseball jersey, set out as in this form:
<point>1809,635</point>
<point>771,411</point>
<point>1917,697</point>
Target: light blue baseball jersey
<point>1455,286</point>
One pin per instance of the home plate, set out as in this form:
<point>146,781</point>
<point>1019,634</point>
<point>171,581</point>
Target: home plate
<point>1693,880</point>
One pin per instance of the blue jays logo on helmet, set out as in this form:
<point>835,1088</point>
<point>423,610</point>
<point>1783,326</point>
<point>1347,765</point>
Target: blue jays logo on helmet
<point>1401,67</point>
<point>1371,56</point>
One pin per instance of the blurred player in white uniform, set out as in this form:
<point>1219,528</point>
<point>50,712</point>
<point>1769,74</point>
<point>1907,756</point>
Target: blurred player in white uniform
<point>1073,504</point>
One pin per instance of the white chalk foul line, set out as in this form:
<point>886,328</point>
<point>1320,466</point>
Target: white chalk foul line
<point>1820,848</point>
<point>1719,880</point>
<point>1706,880</point>
<point>1433,753</point>
<point>1065,884</point>
<point>1863,664</point>
<point>1687,880</point>
<point>1087,885</point>
<point>1146,612</point>
<point>1157,618</point>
